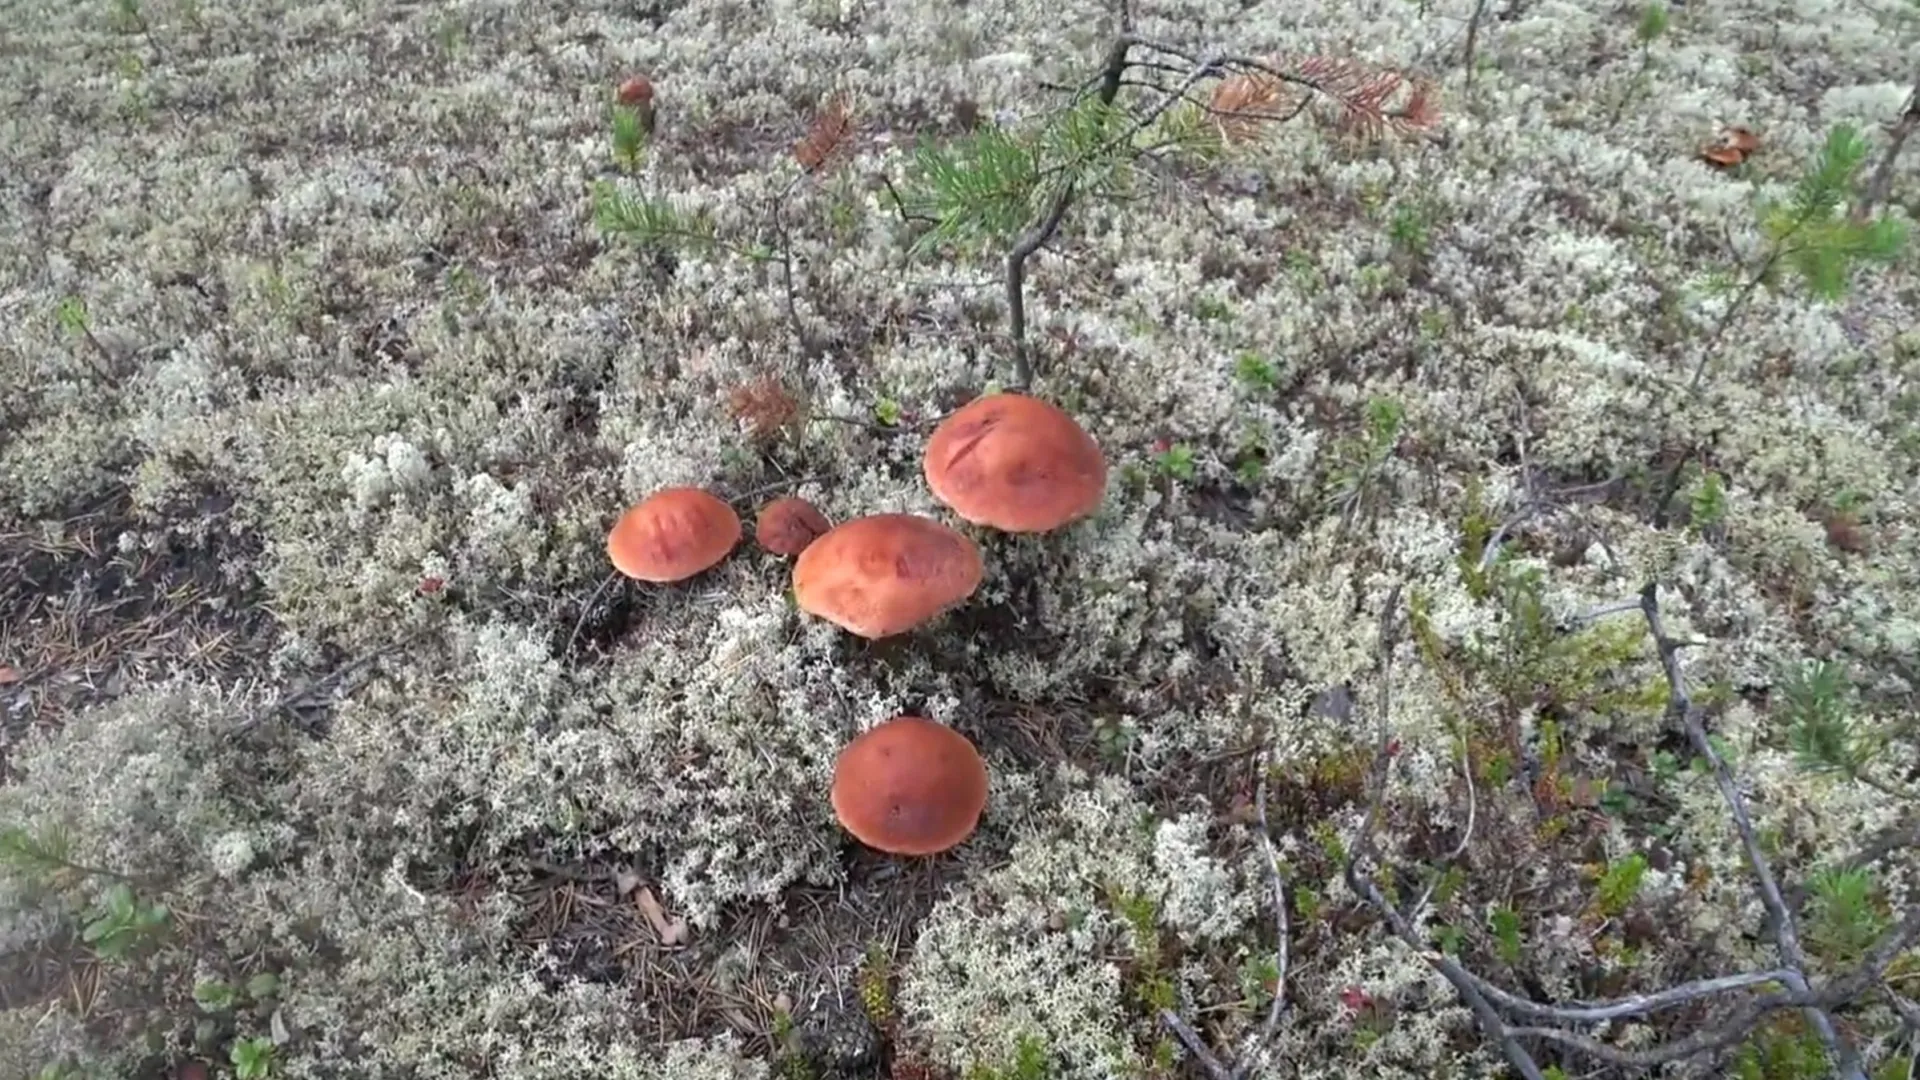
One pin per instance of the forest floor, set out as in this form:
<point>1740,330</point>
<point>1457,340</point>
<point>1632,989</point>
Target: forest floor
<point>1506,599</point>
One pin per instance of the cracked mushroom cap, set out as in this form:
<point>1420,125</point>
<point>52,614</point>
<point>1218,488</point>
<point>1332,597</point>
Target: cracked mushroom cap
<point>909,787</point>
<point>1015,463</point>
<point>672,535</point>
<point>787,525</point>
<point>885,574</point>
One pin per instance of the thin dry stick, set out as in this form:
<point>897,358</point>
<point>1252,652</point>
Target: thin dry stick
<point>1680,707</point>
<point>1881,182</point>
<point>1034,238</point>
<point>1473,39</point>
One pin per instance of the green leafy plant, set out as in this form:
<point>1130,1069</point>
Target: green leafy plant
<point>1619,884</point>
<point>1031,1061</point>
<point>1256,372</point>
<point>1175,461</point>
<point>214,995</point>
<point>1504,924</point>
<point>252,1058</point>
<point>119,921</point>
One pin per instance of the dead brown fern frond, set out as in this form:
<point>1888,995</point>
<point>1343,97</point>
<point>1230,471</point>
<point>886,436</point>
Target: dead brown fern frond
<point>1341,92</point>
<point>831,130</point>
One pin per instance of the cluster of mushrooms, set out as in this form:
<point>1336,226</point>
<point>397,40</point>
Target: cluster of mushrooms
<point>1005,461</point>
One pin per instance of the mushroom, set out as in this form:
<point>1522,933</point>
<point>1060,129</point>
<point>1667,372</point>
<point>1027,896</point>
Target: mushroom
<point>885,574</point>
<point>1015,463</point>
<point>909,787</point>
<point>673,534</point>
<point>787,525</point>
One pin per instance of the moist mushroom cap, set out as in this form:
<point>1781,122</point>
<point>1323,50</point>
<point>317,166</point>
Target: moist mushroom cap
<point>885,574</point>
<point>910,786</point>
<point>786,526</point>
<point>1015,463</point>
<point>673,534</point>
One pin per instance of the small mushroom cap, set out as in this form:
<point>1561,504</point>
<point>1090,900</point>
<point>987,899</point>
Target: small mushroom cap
<point>909,787</point>
<point>885,574</point>
<point>1015,463</point>
<point>673,534</point>
<point>787,525</point>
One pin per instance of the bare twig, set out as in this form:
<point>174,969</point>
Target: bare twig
<point>1473,39</point>
<point>1881,182</point>
<point>1196,1046</point>
<point>1680,707</point>
<point>1111,73</point>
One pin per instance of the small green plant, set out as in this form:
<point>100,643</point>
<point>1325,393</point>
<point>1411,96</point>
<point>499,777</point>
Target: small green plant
<point>1619,884</point>
<point>1175,461</point>
<point>1358,460</point>
<point>652,222</point>
<point>1504,923</point>
<point>629,133</point>
<point>1708,502</point>
<point>1256,372</point>
<point>252,1058</point>
<point>214,995</point>
<point>1847,915</point>
<point>1651,28</point>
<point>119,921</point>
<point>1031,1061</point>
<point>887,412</point>
<point>1811,232</point>
<point>876,987</point>
<point>1410,229</point>
<point>1816,700</point>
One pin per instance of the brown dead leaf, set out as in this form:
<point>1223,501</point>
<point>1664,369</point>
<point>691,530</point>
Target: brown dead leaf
<point>827,135</point>
<point>9,675</point>
<point>672,932</point>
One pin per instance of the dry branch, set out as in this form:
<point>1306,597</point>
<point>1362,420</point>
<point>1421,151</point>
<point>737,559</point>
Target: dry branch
<point>1785,986</point>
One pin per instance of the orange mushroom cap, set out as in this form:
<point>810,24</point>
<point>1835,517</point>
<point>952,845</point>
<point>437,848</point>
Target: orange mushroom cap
<point>673,534</point>
<point>787,525</point>
<point>885,574</point>
<point>909,787</point>
<point>1015,463</point>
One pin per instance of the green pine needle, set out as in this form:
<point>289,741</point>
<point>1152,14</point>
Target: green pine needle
<point>1810,231</point>
<point>648,221</point>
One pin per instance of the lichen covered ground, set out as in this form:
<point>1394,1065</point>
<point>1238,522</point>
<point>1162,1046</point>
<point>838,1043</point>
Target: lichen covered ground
<point>327,754</point>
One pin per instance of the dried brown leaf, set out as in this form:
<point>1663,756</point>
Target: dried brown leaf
<point>831,129</point>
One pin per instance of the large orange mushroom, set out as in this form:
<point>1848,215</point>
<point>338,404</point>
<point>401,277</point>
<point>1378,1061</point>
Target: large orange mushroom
<point>1015,463</point>
<point>910,786</point>
<point>672,535</point>
<point>885,574</point>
